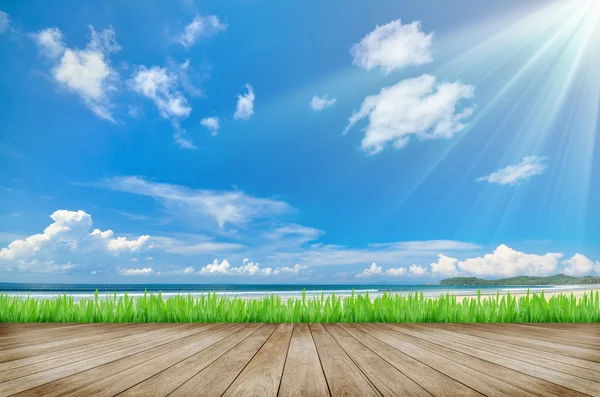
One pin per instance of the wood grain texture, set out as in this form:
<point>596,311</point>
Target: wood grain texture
<point>343,376</point>
<point>217,377</point>
<point>540,381</point>
<point>55,360</point>
<point>437,383</point>
<point>384,376</point>
<point>119,382</point>
<point>472,342</point>
<point>170,379</point>
<point>66,378</point>
<point>303,375</point>
<point>262,376</point>
<point>454,368</point>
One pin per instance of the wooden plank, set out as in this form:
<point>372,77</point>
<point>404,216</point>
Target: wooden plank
<point>117,383</point>
<point>57,335</point>
<point>387,379</point>
<point>218,376</point>
<point>435,382</point>
<point>543,380</point>
<point>17,369</point>
<point>585,331</point>
<point>343,376</point>
<point>583,354</point>
<point>61,379</point>
<point>302,374</point>
<point>34,350</point>
<point>112,338</point>
<point>14,331</point>
<point>171,378</point>
<point>519,354</point>
<point>484,383</point>
<point>547,335</point>
<point>262,375</point>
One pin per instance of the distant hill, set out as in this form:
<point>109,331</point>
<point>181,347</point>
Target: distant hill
<point>557,279</point>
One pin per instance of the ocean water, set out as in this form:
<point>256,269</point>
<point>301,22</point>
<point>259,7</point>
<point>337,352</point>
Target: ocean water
<point>79,291</point>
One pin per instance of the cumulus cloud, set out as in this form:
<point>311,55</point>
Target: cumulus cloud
<point>65,244</point>
<point>320,103</point>
<point>445,266</point>
<point>146,271</point>
<point>580,265</point>
<point>417,271</point>
<point>4,21</point>
<point>502,262</point>
<point>201,206</point>
<point>201,26</point>
<point>507,262</point>
<point>86,72</point>
<point>393,46</point>
<point>420,106</point>
<point>211,124</point>
<point>375,270</point>
<point>514,174</point>
<point>245,105</point>
<point>248,268</point>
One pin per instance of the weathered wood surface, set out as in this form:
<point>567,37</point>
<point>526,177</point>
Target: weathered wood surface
<point>300,360</point>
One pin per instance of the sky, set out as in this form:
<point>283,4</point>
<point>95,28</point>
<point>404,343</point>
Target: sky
<point>253,141</point>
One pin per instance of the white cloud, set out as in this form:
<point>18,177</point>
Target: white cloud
<point>375,270</point>
<point>245,105</point>
<point>68,239</point>
<point>252,269</point>
<point>507,262</point>
<point>393,46</point>
<point>417,271</point>
<point>201,26</point>
<point>580,265</point>
<point>161,87</point>
<point>122,244</point>
<point>419,106</point>
<point>514,174</point>
<point>297,233</point>
<point>386,253</point>
<point>296,270</point>
<point>4,21</point>
<point>201,206</point>
<point>211,124</point>
<point>146,271</point>
<point>50,42</point>
<point>445,266</point>
<point>179,136</point>
<point>398,271</point>
<point>320,103</point>
<point>86,72</point>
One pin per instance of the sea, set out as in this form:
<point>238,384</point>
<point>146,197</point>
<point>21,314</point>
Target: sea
<point>86,291</point>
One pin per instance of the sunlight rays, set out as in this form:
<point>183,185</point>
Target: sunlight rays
<point>529,79</point>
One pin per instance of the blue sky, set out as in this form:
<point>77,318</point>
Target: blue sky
<point>269,142</point>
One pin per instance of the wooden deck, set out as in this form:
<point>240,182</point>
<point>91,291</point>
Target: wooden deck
<point>299,360</point>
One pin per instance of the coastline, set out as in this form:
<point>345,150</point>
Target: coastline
<point>461,293</point>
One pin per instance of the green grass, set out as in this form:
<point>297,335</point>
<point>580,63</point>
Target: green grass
<point>357,308</point>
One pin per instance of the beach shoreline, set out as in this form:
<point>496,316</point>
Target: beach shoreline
<point>460,293</point>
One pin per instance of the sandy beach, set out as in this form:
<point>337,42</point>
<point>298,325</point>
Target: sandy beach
<point>470,293</point>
